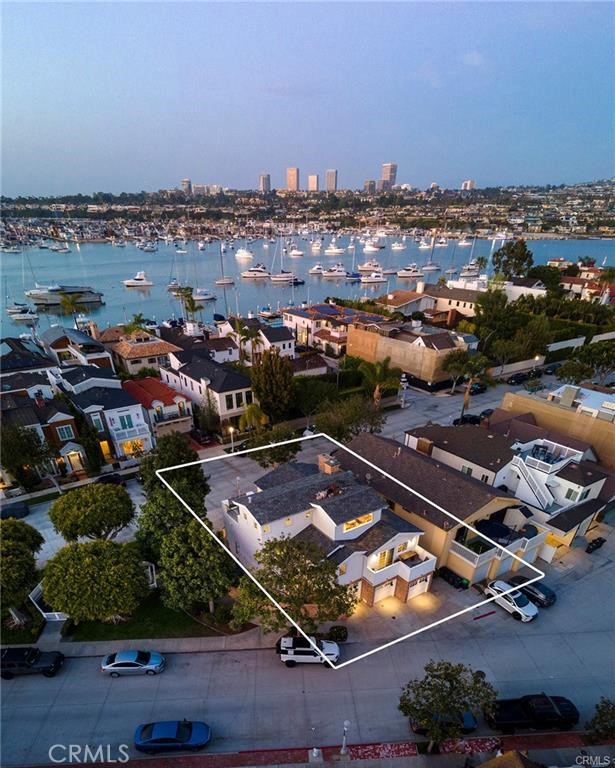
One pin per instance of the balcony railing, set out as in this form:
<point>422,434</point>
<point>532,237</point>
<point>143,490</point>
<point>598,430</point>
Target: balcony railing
<point>473,557</point>
<point>401,569</point>
<point>141,430</point>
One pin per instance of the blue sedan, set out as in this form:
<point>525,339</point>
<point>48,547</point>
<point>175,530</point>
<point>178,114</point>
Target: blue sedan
<point>172,736</point>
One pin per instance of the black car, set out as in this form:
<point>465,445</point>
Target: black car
<point>467,418</point>
<point>537,592</point>
<point>17,509</point>
<point>534,373</point>
<point>552,368</point>
<point>517,378</point>
<point>112,479</point>
<point>29,661</point>
<point>486,413</point>
<point>478,388</point>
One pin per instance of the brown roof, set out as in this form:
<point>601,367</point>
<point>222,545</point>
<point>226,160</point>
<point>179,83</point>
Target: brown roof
<point>131,349</point>
<point>572,516</point>
<point>452,490</point>
<point>325,335</point>
<point>583,473</point>
<point>444,292</point>
<point>523,427</point>
<point>111,334</point>
<point>398,298</point>
<point>480,446</point>
<point>149,390</point>
<point>308,363</point>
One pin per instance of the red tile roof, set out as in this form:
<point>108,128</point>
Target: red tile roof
<point>147,390</point>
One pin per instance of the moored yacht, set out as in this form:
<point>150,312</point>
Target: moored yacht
<point>371,265</point>
<point>284,277</point>
<point>244,253</point>
<point>140,280</point>
<point>464,242</point>
<point>373,277</point>
<point>317,269</point>
<point>333,249</point>
<point>257,271</point>
<point>337,272</point>
<point>470,269</point>
<point>202,294</point>
<point>51,295</point>
<point>398,246</point>
<point>410,272</point>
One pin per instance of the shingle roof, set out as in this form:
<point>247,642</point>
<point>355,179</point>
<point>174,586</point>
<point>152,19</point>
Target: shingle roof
<point>80,373</point>
<point>149,389</point>
<point>130,348</point>
<point>523,427</point>
<point>17,355</point>
<point>221,377</point>
<point>18,410</point>
<point>570,517</point>
<point>275,334</point>
<point>480,446</point>
<point>107,397</point>
<point>286,473</point>
<point>346,498</point>
<point>453,491</point>
<point>23,380</point>
<point>308,363</point>
<point>398,298</point>
<point>455,294</point>
<point>74,336</point>
<point>582,473</point>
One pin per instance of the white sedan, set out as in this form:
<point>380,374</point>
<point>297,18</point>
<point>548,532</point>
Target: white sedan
<point>514,602</point>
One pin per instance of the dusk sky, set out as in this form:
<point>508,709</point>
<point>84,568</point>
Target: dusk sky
<point>129,96</point>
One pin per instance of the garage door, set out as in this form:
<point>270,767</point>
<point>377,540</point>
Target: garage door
<point>419,588</point>
<point>384,591</point>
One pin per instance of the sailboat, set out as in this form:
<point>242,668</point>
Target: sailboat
<point>452,270</point>
<point>223,280</point>
<point>431,266</point>
<point>283,276</point>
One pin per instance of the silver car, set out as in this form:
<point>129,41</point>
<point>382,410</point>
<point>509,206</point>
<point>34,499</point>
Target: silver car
<point>133,663</point>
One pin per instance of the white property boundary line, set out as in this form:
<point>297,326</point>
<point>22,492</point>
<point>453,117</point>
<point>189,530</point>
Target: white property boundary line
<point>540,574</point>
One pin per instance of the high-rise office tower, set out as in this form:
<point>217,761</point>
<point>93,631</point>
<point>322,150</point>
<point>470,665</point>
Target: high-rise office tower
<point>331,180</point>
<point>186,186</point>
<point>264,182</point>
<point>313,182</point>
<point>292,179</point>
<point>389,175</point>
<point>468,185</point>
<point>370,187</point>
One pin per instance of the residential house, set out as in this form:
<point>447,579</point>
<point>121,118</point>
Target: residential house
<point>438,490</point>
<point>309,364</point>
<point>417,349</point>
<point>406,302</point>
<point>205,382</point>
<point>78,378</point>
<point>447,298</point>
<point>269,337</point>
<point>23,355</point>
<point>34,384</point>
<point>167,410</point>
<point>119,420</point>
<point>194,338</point>
<point>375,551</point>
<point>137,349</point>
<point>69,346</point>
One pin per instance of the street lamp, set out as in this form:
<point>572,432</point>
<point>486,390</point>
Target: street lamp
<point>403,386</point>
<point>231,430</point>
<point>344,749</point>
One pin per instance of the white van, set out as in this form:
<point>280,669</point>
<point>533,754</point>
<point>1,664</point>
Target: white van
<point>297,650</point>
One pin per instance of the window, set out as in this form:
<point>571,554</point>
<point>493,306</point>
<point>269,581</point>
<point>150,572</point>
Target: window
<point>266,529</point>
<point>97,423</point>
<point>288,521</point>
<point>229,402</point>
<point>571,494</point>
<point>466,470</point>
<point>584,495</point>
<point>136,361</point>
<point>248,397</point>
<point>402,547</point>
<point>151,360</point>
<point>385,557</point>
<point>181,407</point>
<point>358,521</point>
<point>65,433</point>
<point>239,399</point>
<point>308,514</point>
<point>126,422</point>
<point>342,569</point>
<point>485,478</point>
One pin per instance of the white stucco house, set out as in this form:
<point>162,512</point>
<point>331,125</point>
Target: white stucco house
<point>375,550</point>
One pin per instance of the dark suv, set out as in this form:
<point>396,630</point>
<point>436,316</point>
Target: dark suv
<point>517,378</point>
<point>29,661</point>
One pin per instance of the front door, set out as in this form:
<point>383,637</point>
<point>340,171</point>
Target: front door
<point>74,460</point>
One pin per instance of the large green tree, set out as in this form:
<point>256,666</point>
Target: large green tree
<point>349,417</point>
<point>495,318</point>
<point>272,452</point>
<point>272,382</point>
<point>19,543</point>
<point>194,569</point>
<point>513,259</point>
<point>93,511</point>
<point>550,277</point>
<point>310,393</point>
<point>22,451</point>
<point>95,581</point>
<point>301,579</point>
<point>601,727</point>
<point>172,450</point>
<point>253,418</point>
<point>455,364</point>
<point>476,370</point>
<point>378,376</point>
<point>533,338</point>
<point>446,690</point>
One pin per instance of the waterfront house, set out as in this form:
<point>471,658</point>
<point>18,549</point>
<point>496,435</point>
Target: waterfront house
<point>267,337</point>
<point>167,410</point>
<point>23,355</point>
<point>68,346</point>
<point>375,551</point>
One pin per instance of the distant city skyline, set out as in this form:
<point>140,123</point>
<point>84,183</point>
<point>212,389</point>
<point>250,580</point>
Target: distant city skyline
<point>501,93</point>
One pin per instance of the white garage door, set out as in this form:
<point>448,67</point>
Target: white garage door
<point>418,589</point>
<point>384,591</point>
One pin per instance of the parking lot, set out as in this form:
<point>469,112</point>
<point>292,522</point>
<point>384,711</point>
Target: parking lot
<point>252,701</point>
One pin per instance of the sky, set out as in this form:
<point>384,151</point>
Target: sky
<point>112,97</point>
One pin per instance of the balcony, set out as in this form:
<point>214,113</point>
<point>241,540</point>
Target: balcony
<point>469,553</point>
<point>408,569</point>
<point>133,433</point>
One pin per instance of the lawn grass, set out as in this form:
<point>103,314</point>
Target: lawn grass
<point>151,620</point>
<point>24,636</point>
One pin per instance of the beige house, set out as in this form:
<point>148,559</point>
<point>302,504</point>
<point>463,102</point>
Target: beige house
<point>475,503</point>
<point>139,349</point>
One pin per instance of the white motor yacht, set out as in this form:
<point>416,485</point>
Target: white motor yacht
<point>430,267</point>
<point>411,272</point>
<point>373,277</point>
<point>295,252</point>
<point>257,271</point>
<point>464,242</point>
<point>317,269</point>
<point>370,248</point>
<point>337,272</point>
<point>397,246</point>
<point>441,242</point>
<point>283,277</point>
<point>224,281</point>
<point>202,294</point>
<point>424,243</point>
<point>334,250</point>
<point>140,280</point>
<point>371,265</point>
<point>244,254</point>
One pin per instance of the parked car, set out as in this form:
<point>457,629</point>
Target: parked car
<point>17,509</point>
<point>133,663</point>
<point>487,413</point>
<point>467,418</point>
<point>111,479</point>
<point>515,603</point>
<point>297,650</point>
<point>517,378</point>
<point>172,736</point>
<point>534,373</point>
<point>478,388</point>
<point>536,712</point>
<point>467,720</point>
<point>537,592</point>
<point>29,661</point>
<point>552,368</point>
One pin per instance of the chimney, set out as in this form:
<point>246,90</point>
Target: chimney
<point>192,329</point>
<point>94,332</point>
<point>327,464</point>
<point>420,286</point>
<point>568,396</point>
<point>250,315</point>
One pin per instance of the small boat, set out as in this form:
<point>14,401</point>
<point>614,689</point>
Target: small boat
<point>334,250</point>
<point>431,267</point>
<point>244,253</point>
<point>201,245</point>
<point>373,277</point>
<point>17,307</point>
<point>397,246</point>
<point>202,294</point>
<point>450,271</point>
<point>180,250</point>
<point>371,265</point>
<point>256,272</point>
<point>119,243</point>
<point>338,272</point>
<point>140,280</point>
<point>470,269</point>
<point>173,285</point>
<point>224,281</point>
<point>57,248</point>
<point>25,315</point>
<point>317,269</point>
<point>424,243</point>
<point>353,277</point>
<point>370,247</point>
<point>268,313</point>
<point>316,245</point>
<point>284,277</point>
<point>464,242</point>
<point>441,242</point>
<point>295,252</point>
<point>411,272</point>
<point>148,247</point>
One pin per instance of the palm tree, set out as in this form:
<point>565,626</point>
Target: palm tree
<point>481,262</point>
<point>136,324</point>
<point>254,418</point>
<point>378,376</point>
<point>251,335</point>
<point>191,306</point>
<point>69,303</point>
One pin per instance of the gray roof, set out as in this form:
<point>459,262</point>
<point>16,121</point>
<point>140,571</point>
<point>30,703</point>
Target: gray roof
<point>23,380</point>
<point>18,411</point>
<point>277,333</point>
<point>455,294</point>
<point>56,332</point>
<point>343,498</point>
<point>480,446</point>
<point>582,473</point>
<point>107,397</point>
<point>570,517</point>
<point>79,373</point>
<point>452,490</point>
<point>222,378</point>
<point>19,355</point>
<point>286,473</point>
